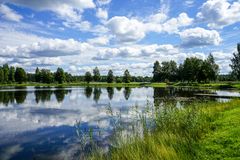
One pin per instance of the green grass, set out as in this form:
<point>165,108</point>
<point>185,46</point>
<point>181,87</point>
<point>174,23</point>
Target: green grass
<point>92,84</point>
<point>224,141</point>
<point>212,85</point>
<point>199,131</point>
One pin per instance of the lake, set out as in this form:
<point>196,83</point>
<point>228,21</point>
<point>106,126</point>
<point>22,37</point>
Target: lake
<point>49,123</point>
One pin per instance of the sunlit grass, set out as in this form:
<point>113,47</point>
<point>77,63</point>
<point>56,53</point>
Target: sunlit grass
<point>187,133</point>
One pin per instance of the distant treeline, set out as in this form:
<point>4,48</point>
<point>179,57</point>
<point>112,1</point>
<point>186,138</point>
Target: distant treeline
<point>192,69</point>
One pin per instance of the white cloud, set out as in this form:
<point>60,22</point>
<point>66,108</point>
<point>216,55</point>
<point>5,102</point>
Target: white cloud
<point>173,25</point>
<point>66,9</point>
<point>46,48</point>
<point>131,29</point>
<point>157,18</point>
<point>137,51</point>
<point>103,2</point>
<point>199,37</point>
<point>99,40</point>
<point>125,29</point>
<point>102,14</point>
<point>9,14</point>
<point>220,13</point>
<point>11,37</point>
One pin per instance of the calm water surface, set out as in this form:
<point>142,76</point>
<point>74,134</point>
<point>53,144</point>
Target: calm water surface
<point>45,123</point>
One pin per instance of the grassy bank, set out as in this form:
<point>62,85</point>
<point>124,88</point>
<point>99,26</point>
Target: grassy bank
<point>213,85</point>
<point>200,131</point>
<point>92,84</point>
<point>224,141</point>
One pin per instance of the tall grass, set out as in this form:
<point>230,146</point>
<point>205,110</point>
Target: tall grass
<point>166,132</point>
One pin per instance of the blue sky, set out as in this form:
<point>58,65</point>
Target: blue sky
<point>116,34</point>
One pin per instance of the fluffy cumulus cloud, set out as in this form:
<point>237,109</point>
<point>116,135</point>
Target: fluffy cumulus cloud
<point>11,37</point>
<point>199,37</point>
<point>9,14</point>
<point>173,25</point>
<point>104,40</point>
<point>137,51</point>
<point>131,29</point>
<point>67,9</point>
<point>220,13</point>
<point>126,29</point>
<point>46,48</point>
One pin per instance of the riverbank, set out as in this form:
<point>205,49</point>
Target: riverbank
<point>84,84</point>
<point>213,85</point>
<point>199,131</point>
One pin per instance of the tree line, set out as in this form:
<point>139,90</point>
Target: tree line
<point>193,69</point>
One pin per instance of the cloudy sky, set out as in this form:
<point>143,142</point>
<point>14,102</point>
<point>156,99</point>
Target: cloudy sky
<point>116,34</point>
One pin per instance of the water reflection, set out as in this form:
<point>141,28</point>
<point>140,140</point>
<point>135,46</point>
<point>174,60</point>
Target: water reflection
<point>127,92</point>
<point>119,88</point>
<point>42,121</point>
<point>110,91</point>
<point>96,94</point>
<point>45,95</point>
<point>60,94</point>
<point>88,92</point>
<point>7,98</point>
<point>177,96</point>
<point>42,95</point>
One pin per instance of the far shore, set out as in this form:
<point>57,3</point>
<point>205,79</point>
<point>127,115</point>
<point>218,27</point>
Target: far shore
<point>212,85</point>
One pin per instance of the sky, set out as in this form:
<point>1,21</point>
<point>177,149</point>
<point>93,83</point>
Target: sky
<point>78,35</point>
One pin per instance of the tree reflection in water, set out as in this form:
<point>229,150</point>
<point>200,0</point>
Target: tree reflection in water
<point>96,94</point>
<point>60,94</point>
<point>9,97</point>
<point>127,92</point>
<point>43,95</point>
<point>88,91</point>
<point>110,91</point>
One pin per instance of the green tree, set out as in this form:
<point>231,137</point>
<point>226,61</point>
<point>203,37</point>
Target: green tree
<point>88,77</point>
<point>96,74</point>
<point>191,68</point>
<point>1,75</point>
<point>20,75</point>
<point>110,76</point>
<point>47,76</point>
<point>37,75</point>
<point>69,77</point>
<point>212,69</point>
<point>235,65</point>
<point>60,76</point>
<point>11,77</point>
<point>126,77</point>
<point>180,75</point>
<point>6,72</point>
<point>156,72</point>
<point>169,71</point>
